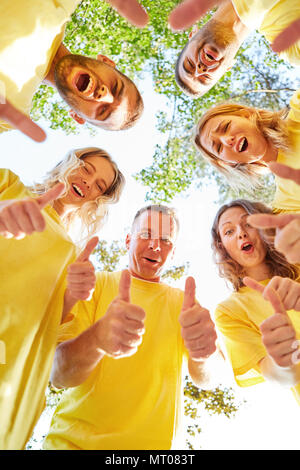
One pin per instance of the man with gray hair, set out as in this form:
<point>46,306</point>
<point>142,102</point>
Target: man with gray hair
<point>121,353</point>
<point>211,50</point>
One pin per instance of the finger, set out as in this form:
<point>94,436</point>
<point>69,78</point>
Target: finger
<point>21,122</point>
<point>131,10</point>
<point>287,37</point>
<point>287,241</point>
<point>188,12</point>
<point>124,286</point>
<point>270,220</point>
<point>272,296</point>
<point>273,323</point>
<point>20,215</point>
<point>50,195</point>
<point>253,284</point>
<point>34,213</point>
<point>88,250</point>
<point>284,171</point>
<point>189,293</point>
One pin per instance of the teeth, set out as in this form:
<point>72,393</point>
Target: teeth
<point>207,57</point>
<point>241,144</point>
<point>78,190</point>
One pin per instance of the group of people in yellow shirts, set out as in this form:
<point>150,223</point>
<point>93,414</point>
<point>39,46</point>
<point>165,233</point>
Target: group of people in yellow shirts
<point>117,341</point>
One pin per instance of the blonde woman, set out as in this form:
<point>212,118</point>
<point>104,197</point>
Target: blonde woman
<point>240,141</point>
<point>260,320</point>
<point>35,251</point>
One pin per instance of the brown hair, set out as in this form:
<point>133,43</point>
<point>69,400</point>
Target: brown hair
<point>233,272</point>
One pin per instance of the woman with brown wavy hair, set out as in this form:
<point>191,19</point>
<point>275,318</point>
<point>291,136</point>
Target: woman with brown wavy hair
<point>261,344</point>
<point>240,141</point>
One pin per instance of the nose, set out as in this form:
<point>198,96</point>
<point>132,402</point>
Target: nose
<point>103,95</point>
<point>200,69</point>
<point>227,140</point>
<point>242,232</point>
<point>154,244</point>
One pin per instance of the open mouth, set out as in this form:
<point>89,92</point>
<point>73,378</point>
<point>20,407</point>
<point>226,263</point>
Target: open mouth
<point>209,57</point>
<point>153,261</point>
<point>77,190</point>
<point>247,247</point>
<point>243,145</point>
<point>84,83</point>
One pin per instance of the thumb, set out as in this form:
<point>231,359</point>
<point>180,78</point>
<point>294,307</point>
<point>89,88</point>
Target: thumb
<point>124,286</point>
<point>272,296</point>
<point>253,284</point>
<point>50,195</point>
<point>270,220</point>
<point>88,250</point>
<point>285,171</point>
<point>189,298</point>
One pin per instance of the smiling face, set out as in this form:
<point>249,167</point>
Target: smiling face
<point>208,55</point>
<point>150,244</point>
<point>241,241</point>
<point>97,92</point>
<point>88,182</point>
<point>233,139</point>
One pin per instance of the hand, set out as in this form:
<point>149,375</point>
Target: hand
<point>286,289</point>
<point>19,218</point>
<point>197,328</point>
<point>287,37</point>
<point>122,327</point>
<point>81,278</point>
<point>284,171</point>
<point>189,11</point>
<point>287,239</point>
<point>278,334</point>
<point>131,10</point>
<point>20,121</point>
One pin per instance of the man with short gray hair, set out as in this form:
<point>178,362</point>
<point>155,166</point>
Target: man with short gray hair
<point>121,353</point>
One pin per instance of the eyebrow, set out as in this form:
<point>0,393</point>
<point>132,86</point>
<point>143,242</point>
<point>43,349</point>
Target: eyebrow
<point>229,221</point>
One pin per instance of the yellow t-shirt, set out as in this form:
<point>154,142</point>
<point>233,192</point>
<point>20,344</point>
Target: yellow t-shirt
<point>32,273</point>
<point>30,34</point>
<point>287,195</point>
<point>128,403</point>
<point>271,17</point>
<point>238,319</point>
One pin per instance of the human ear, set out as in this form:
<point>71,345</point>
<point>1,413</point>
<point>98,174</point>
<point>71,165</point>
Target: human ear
<point>127,241</point>
<point>76,117</point>
<point>106,60</point>
<point>193,32</point>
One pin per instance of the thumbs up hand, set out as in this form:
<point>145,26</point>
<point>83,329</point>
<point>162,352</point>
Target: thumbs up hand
<point>121,329</point>
<point>278,333</point>
<point>81,278</point>
<point>197,328</point>
<point>19,218</point>
<point>288,291</point>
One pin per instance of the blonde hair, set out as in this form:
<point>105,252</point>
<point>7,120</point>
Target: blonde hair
<point>232,271</point>
<point>272,126</point>
<point>85,221</point>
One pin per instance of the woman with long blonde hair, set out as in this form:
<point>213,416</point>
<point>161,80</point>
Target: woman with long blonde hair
<point>36,251</point>
<point>259,321</point>
<point>240,141</point>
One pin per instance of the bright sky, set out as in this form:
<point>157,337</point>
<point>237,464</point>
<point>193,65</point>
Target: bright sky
<point>270,419</point>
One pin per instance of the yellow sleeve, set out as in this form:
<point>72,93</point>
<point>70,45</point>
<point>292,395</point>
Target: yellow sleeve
<point>243,345</point>
<point>287,195</point>
<point>252,12</point>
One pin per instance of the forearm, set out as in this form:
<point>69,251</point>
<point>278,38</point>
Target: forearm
<point>74,360</point>
<point>206,373</point>
<point>285,376</point>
